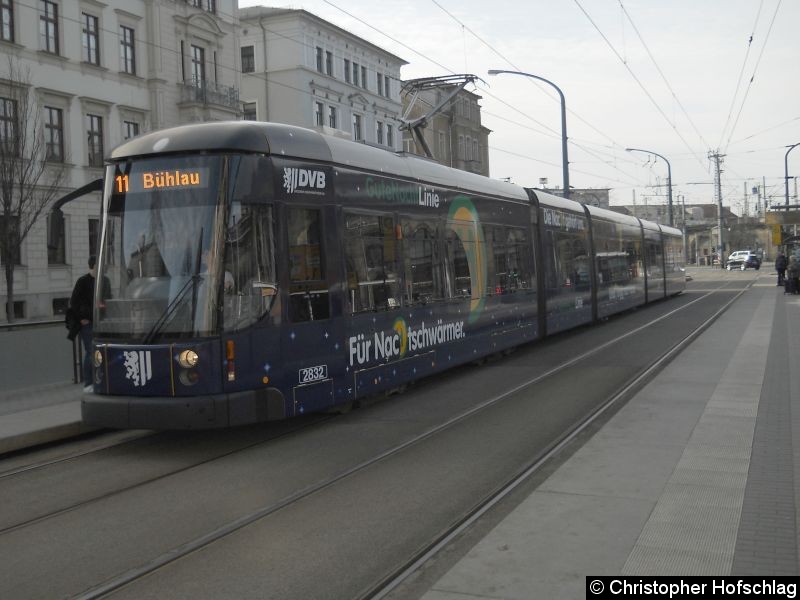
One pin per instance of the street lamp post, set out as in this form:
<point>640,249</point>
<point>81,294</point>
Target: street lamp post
<point>786,170</point>
<point>669,178</point>
<point>564,159</point>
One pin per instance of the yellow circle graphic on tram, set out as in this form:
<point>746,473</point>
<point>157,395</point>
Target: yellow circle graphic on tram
<point>401,329</point>
<point>464,222</point>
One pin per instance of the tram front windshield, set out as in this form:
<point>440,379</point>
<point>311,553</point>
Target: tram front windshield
<point>187,250</point>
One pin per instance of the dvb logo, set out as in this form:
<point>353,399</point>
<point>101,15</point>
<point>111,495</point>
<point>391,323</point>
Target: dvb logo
<point>298,179</point>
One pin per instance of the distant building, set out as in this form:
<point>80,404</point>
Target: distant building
<point>455,134</point>
<point>302,70</point>
<point>104,72</point>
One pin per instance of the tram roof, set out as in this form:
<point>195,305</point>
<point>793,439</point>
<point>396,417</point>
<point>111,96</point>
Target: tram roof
<point>305,144</point>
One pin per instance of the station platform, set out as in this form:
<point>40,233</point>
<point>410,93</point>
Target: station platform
<point>698,474</point>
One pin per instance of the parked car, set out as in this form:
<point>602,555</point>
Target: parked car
<point>751,261</point>
<point>743,259</point>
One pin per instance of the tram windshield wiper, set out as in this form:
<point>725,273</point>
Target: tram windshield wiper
<point>172,307</point>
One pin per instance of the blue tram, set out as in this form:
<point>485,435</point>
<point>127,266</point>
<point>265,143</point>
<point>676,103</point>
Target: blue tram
<point>257,271</point>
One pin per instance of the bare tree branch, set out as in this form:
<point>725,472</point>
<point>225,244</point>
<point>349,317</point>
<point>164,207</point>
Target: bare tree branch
<point>28,182</point>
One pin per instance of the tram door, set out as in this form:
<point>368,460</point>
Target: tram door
<point>310,340</point>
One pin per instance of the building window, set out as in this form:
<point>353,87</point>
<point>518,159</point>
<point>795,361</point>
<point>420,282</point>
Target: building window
<point>249,111</point>
<point>248,59</point>
<point>7,20</point>
<point>8,126</point>
<point>364,77</point>
<point>468,147</point>
<point>379,79</point>
<point>332,117</point>
<point>386,85</point>
<point>94,131</point>
<point>379,132</point>
<point>54,134</point>
<point>19,309</point>
<point>461,147</point>
<point>329,63</point>
<point>355,74</point>
<point>127,54</point>
<point>319,59</point>
<point>94,236</point>
<point>319,114</point>
<point>90,39</point>
<point>130,129</point>
<point>442,145</point>
<point>211,6</point>
<point>357,132</point>
<point>198,66</point>
<point>475,154</point>
<point>389,136</point>
<point>347,70</point>
<point>56,233</point>
<point>48,26</point>
<point>60,306</point>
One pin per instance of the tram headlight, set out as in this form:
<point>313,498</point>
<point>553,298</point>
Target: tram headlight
<point>188,359</point>
<point>98,358</point>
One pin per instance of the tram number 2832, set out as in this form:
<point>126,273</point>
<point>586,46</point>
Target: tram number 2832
<point>311,374</point>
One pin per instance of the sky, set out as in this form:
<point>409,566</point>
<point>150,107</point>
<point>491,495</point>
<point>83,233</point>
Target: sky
<point>681,78</point>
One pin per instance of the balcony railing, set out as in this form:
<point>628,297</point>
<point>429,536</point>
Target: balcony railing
<point>207,92</point>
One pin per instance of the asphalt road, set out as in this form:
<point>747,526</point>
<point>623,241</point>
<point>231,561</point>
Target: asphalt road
<point>69,527</point>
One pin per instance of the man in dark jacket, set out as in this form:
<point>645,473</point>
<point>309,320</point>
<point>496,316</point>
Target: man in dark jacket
<point>81,303</point>
<point>780,266</point>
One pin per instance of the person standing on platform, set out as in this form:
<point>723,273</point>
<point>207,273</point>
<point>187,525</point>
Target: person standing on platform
<point>780,266</point>
<point>792,275</point>
<point>82,303</point>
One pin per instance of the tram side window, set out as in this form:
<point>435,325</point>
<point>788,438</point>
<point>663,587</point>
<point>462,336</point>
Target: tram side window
<point>422,262</point>
<point>249,281</point>
<point>568,267</point>
<point>308,293</point>
<point>520,259</point>
<point>459,281</point>
<point>497,258</point>
<point>512,258</point>
<point>373,282</point>
<point>655,259</point>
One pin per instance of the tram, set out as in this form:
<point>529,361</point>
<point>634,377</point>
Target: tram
<point>257,271</point>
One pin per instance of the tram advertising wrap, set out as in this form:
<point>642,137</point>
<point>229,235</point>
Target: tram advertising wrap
<point>258,271</point>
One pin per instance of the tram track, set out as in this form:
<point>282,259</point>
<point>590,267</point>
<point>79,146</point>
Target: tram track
<point>386,585</point>
<point>128,439</point>
<point>385,588</point>
<point>111,440</point>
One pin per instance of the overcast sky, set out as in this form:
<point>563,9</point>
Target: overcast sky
<point>653,74</point>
